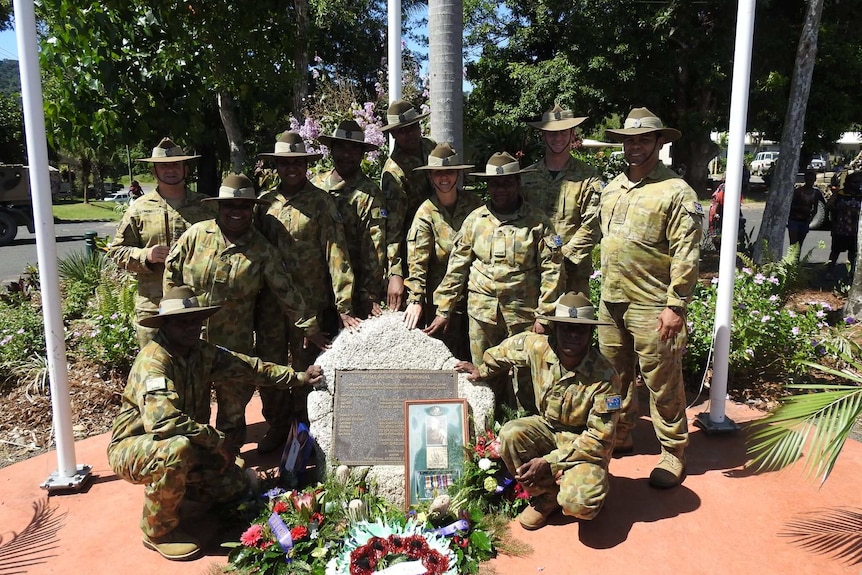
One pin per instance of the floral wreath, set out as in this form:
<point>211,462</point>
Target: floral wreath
<point>372,547</point>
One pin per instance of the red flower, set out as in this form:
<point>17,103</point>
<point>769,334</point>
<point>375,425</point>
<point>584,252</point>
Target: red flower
<point>435,563</point>
<point>316,518</point>
<point>461,542</point>
<point>493,449</point>
<point>280,507</point>
<point>520,492</point>
<point>415,546</point>
<point>362,561</point>
<point>252,536</point>
<point>299,533</point>
<point>304,500</point>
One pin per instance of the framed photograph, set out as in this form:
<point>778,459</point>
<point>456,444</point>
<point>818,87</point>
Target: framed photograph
<point>435,433</point>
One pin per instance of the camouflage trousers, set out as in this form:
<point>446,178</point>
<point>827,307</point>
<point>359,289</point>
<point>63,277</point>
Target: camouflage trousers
<point>633,346</point>
<point>173,469</point>
<point>583,487</point>
<point>577,277</point>
<point>514,392</point>
<point>455,337</point>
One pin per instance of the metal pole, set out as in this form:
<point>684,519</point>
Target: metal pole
<point>129,162</point>
<point>717,420</point>
<point>394,54</point>
<point>68,475</point>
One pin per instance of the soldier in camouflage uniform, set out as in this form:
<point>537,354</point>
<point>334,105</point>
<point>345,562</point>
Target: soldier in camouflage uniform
<point>430,241</point>
<point>561,454</point>
<point>508,256</point>
<point>359,202</point>
<point>404,190</point>
<point>651,224</point>
<point>161,438</point>
<point>568,191</point>
<point>226,262</point>
<point>152,224</point>
<point>302,222</point>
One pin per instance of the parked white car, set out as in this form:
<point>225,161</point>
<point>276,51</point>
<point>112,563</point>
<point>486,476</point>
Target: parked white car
<point>122,197</point>
<point>817,162</point>
<point>762,162</point>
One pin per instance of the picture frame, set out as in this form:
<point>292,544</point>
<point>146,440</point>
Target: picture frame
<point>435,433</point>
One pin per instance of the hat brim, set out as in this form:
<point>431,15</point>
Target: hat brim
<point>257,201</point>
<point>276,155</point>
<point>486,176</point>
<point>670,134</point>
<point>443,168</point>
<point>410,122</point>
<point>573,320</point>
<point>200,313</point>
<point>167,159</point>
<point>558,125</point>
<point>329,140</point>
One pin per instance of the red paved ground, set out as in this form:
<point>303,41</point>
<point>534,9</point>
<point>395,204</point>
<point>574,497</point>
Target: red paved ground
<point>723,520</point>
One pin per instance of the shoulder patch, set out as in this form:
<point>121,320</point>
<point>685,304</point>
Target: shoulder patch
<point>613,402</point>
<point>519,341</point>
<point>554,242</point>
<point>384,213</point>
<point>156,384</point>
<point>698,208</point>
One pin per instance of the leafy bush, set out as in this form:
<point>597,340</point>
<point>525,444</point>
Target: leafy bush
<point>111,341</point>
<point>80,274</point>
<point>22,334</point>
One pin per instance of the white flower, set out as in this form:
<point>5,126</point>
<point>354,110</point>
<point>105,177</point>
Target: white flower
<point>485,464</point>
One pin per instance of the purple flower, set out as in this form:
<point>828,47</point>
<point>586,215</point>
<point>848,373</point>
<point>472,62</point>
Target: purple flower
<point>849,320</point>
<point>714,280</point>
<point>759,279</point>
<point>795,330</point>
<point>773,280</point>
<point>747,271</point>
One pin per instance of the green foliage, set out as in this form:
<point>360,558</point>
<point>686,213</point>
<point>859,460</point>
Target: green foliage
<point>11,130</point>
<point>80,274</point>
<point>111,339</point>
<point>607,165</point>
<point>819,419</point>
<point>22,334</point>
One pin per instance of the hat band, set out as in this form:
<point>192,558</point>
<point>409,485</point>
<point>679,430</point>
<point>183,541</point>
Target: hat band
<point>586,312</point>
<point>172,305</point>
<point>226,193</point>
<point>510,168</point>
<point>649,122</point>
<point>410,114</point>
<point>349,135</point>
<point>442,162</point>
<point>287,147</point>
<point>168,152</point>
<point>557,115</point>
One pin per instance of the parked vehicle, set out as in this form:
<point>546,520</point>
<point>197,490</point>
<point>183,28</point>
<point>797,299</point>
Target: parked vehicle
<point>16,208</point>
<point>762,162</point>
<point>122,197</point>
<point>817,162</point>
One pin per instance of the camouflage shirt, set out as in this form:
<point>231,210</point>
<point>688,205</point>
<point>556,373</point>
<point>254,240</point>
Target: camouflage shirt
<point>508,261</point>
<point>430,241</point>
<point>584,401</point>
<point>231,275</point>
<point>168,395</point>
<point>364,216</point>
<point>151,221</point>
<point>570,199</point>
<point>404,190</point>
<point>651,233</point>
<point>307,230</point>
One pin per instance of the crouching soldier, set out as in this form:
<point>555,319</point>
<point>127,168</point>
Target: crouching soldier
<point>161,438</point>
<point>561,455</point>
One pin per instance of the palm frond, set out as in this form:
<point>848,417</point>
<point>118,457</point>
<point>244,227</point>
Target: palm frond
<point>836,532</point>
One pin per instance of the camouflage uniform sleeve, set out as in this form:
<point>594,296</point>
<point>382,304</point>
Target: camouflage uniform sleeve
<point>684,234</point>
<point>420,242</point>
<point>281,285</point>
<point>374,246</point>
<point>158,403</point>
<point>337,258</point>
<point>511,352</point>
<point>175,263</point>
<point>580,246</point>
<point>550,265</point>
<point>245,369</point>
<point>127,249</point>
<point>458,270</point>
<point>396,206</point>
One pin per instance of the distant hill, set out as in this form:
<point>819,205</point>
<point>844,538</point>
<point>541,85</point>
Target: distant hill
<point>10,80</point>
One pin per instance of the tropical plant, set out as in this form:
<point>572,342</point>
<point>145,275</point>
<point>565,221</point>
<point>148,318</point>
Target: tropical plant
<point>820,419</point>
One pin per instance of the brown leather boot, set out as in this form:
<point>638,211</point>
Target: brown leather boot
<point>536,515</point>
<point>670,470</point>
<point>176,545</point>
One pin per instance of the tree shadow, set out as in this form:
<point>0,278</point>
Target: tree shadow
<point>35,543</point>
<point>832,532</point>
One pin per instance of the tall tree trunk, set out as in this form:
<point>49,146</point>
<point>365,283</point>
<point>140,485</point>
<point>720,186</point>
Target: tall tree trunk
<point>770,240</point>
<point>445,32</point>
<point>300,58</point>
<point>227,112</point>
<point>86,168</point>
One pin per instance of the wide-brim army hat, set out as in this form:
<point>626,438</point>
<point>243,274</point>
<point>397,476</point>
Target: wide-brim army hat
<point>179,301</point>
<point>290,145</point>
<point>167,151</point>
<point>236,187</point>
<point>557,119</point>
<point>348,131</point>
<point>443,157</point>
<point>402,113</point>
<point>574,307</point>
<point>501,164</point>
<point>642,121</point>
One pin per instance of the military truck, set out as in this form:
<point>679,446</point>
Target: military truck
<point>16,208</point>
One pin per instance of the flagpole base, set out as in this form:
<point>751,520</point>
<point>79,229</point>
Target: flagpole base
<point>702,421</point>
<point>58,483</point>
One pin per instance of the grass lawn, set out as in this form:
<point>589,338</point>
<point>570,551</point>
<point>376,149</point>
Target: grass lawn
<point>75,210</point>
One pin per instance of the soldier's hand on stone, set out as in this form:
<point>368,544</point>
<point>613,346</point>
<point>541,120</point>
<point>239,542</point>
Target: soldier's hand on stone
<point>471,370</point>
<point>349,322</point>
<point>669,324</point>
<point>395,293</point>
<point>535,473</point>
<point>439,323</point>
<point>319,339</point>
<point>313,375</point>
<point>375,309</point>
<point>539,327</point>
<point>412,315</point>
<point>157,254</point>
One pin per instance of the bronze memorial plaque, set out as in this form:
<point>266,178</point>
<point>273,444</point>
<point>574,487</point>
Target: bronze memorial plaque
<point>369,411</point>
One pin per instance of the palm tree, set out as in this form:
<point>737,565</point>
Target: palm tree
<point>445,41</point>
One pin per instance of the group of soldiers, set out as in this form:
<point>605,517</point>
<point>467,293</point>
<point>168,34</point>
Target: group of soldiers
<point>501,282</point>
